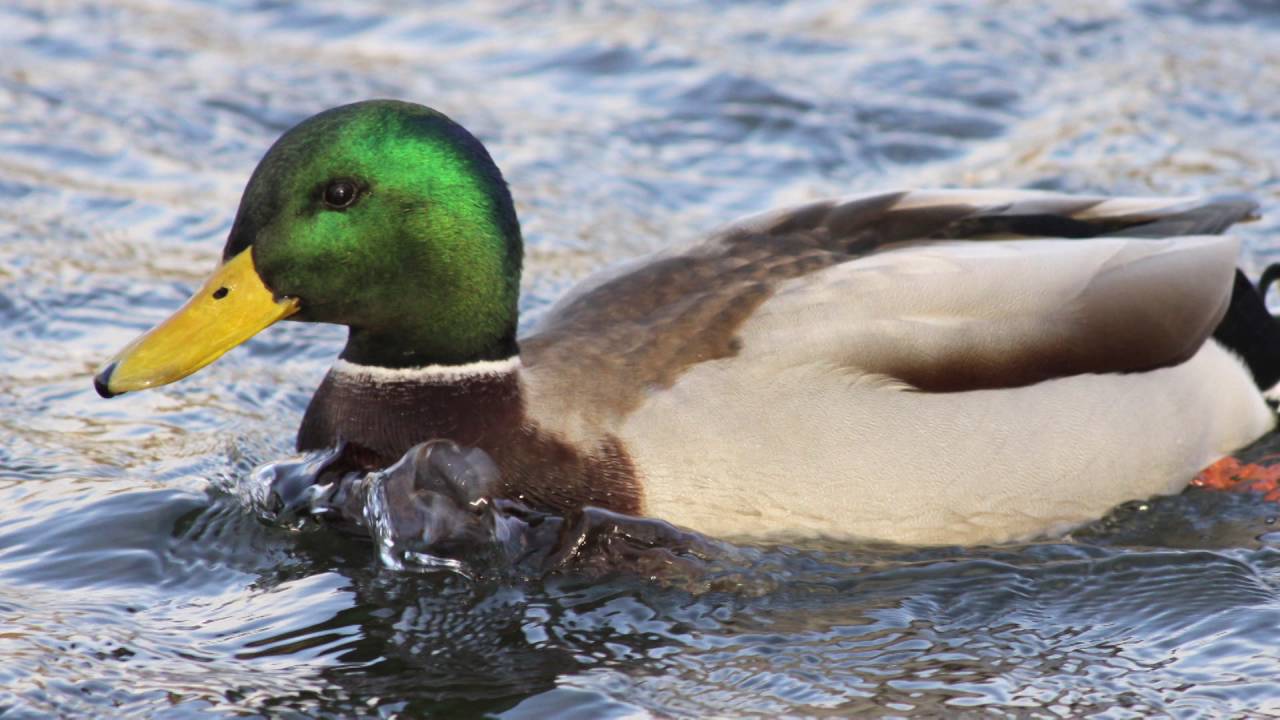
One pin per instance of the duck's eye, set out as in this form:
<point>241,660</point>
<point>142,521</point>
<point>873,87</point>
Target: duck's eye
<point>340,194</point>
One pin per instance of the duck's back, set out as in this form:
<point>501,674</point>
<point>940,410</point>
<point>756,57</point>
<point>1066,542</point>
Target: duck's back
<point>923,367</point>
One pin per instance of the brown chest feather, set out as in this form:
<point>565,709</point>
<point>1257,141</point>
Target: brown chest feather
<point>379,422</point>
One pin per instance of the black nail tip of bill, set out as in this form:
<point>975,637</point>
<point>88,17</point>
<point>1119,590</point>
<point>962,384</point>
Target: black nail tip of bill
<point>101,380</point>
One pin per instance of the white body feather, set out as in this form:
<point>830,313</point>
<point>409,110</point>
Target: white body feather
<point>742,449</point>
<point>808,429</point>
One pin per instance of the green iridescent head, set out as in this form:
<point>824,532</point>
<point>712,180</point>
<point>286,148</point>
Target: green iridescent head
<point>391,219</point>
<point>383,216</point>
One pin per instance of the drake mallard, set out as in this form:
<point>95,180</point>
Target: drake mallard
<point>923,367</point>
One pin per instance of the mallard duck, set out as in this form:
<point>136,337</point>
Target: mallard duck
<point>958,366</point>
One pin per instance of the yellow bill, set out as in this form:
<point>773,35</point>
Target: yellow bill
<point>232,306</point>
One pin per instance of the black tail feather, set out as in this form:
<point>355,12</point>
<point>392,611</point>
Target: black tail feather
<point>1250,331</point>
<point>1269,276</point>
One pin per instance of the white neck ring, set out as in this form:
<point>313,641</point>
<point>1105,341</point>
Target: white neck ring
<point>438,374</point>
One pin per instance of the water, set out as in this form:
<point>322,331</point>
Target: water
<point>135,581</point>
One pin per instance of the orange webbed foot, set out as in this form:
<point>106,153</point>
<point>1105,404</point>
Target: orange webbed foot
<point>1231,475</point>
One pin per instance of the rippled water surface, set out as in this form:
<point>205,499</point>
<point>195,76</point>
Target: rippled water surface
<point>134,581</point>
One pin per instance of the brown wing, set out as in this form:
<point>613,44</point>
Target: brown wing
<point>960,316</point>
<point>638,330</point>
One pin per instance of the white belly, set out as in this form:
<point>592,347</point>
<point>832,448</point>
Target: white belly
<point>812,450</point>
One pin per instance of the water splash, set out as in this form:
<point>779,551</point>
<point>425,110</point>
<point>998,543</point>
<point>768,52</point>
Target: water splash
<point>435,509</point>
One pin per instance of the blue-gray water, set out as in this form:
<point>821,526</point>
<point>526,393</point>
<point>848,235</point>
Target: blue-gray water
<point>133,581</point>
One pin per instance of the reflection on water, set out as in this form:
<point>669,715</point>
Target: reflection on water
<point>134,580</point>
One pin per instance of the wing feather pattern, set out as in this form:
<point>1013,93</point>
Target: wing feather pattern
<point>944,290</point>
<point>968,316</point>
